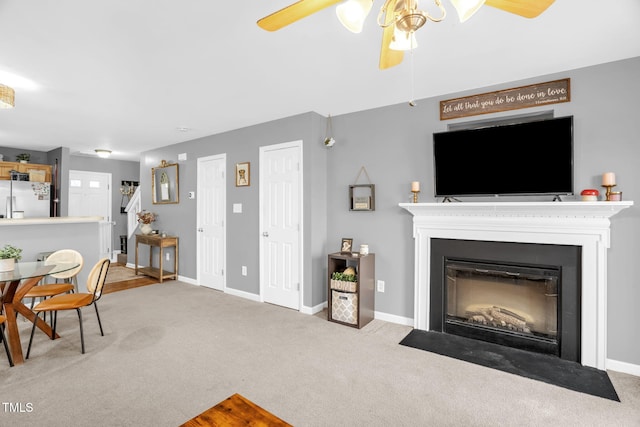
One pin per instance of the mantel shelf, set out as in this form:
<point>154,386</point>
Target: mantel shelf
<point>519,209</point>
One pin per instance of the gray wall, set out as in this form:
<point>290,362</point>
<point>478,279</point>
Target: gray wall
<point>394,144</point>
<point>243,236</point>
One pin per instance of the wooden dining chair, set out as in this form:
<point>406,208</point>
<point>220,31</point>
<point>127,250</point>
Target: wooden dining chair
<point>3,338</point>
<point>65,281</point>
<point>76,301</point>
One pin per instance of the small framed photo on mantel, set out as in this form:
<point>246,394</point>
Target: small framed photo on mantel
<point>243,177</point>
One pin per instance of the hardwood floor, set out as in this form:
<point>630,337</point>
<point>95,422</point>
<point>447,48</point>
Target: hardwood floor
<point>128,284</point>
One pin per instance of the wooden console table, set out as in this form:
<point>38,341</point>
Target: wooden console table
<point>160,242</point>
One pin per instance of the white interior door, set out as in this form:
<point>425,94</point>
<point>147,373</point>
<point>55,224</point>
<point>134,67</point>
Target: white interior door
<point>281,224</point>
<point>212,207</point>
<point>90,195</point>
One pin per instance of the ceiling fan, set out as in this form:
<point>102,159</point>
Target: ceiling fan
<point>399,19</point>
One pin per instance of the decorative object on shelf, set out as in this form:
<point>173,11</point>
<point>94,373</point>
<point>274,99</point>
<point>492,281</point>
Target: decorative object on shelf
<point>346,245</point>
<point>346,281</point>
<point>362,197</point>
<point>415,189</point>
<point>165,187</point>
<point>23,157</point>
<point>608,182</point>
<point>364,249</point>
<point>590,195</point>
<point>243,174</point>
<point>615,196</point>
<point>8,257</point>
<point>145,218</point>
<point>329,140</point>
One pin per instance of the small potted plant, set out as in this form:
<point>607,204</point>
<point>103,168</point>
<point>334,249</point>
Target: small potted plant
<point>8,257</point>
<point>23,157</point>
<point>145,218</point>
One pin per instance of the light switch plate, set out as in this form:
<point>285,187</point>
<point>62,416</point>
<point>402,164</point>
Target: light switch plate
<point>237,208</point>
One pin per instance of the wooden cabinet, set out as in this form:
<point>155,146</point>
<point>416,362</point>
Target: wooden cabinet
<point>352,306</point>
<point>41,173</point>
<point>155,240</point>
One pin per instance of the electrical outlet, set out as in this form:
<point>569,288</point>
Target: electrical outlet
<point>380,285</point>
<point>168,256</point>
<point>244,270</point>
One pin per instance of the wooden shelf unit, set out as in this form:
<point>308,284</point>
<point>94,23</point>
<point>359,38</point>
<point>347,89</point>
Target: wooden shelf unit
<point>155,240</point>
<point>365,286</point>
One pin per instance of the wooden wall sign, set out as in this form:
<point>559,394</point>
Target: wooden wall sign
<point>553,92</point>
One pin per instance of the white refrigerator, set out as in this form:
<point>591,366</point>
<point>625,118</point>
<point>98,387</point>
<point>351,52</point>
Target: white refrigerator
<point>25,199</point>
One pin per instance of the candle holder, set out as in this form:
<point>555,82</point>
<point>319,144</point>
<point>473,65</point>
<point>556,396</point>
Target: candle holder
<point>608,193</point>
<point>415,195</point>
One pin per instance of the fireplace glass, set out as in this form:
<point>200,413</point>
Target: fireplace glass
<point>494,300</point>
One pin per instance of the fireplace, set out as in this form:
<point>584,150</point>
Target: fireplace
<point>584,225</point>
<point>520,295</point>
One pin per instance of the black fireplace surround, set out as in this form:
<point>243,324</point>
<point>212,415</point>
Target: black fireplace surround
<point>563,259</point>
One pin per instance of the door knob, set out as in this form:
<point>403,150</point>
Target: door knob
<point>265,233</point>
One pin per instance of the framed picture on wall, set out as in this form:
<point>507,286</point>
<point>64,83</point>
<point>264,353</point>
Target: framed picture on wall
<point>243,172</point>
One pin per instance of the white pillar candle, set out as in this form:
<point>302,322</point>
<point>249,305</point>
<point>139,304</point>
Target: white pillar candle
<point>608,178</point>
<point>415,186</point>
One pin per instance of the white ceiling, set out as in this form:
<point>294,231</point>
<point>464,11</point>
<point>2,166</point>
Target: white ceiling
<point>125,75</point>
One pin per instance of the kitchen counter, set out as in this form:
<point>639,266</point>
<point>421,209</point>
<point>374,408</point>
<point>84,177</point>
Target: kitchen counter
<point>51,220</point>
<point>37,236</point>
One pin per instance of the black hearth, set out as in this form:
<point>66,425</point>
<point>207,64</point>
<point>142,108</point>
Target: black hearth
<point>520,295</point>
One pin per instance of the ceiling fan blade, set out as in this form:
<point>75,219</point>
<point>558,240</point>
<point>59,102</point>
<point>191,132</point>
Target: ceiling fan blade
<point>293,12</point>
<point>388,57</point>
<point>526,8</point>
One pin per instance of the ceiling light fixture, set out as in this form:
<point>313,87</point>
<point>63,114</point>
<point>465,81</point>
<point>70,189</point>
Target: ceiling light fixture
<point>352,14</point>
<point>466,8</point>
<point>7,97</point>
<point>406,17</point>
<point>103,153</point>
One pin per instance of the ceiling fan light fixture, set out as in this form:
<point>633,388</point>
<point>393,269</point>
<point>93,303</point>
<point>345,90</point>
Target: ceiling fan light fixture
<point>103,153</point>
<point>466,8</point>
<point>352,14</point>
<point>403,40</point>
<point>411,20</point>
<point>7,97</point>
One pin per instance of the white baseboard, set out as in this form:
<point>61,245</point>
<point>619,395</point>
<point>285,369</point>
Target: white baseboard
<point>313,310</point>
<point>187,280</point>
<point>624,367</point>
<point>242,294</point>
<point>392,318</point>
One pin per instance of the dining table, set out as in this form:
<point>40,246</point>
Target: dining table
<point>15,284</point>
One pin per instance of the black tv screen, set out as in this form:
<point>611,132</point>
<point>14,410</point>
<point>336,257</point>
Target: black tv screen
<point>532,158</point>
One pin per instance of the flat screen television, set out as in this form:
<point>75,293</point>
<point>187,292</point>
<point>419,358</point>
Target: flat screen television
<point>530,158</point>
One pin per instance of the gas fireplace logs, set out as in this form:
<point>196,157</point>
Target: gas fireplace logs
<point>498,317</point>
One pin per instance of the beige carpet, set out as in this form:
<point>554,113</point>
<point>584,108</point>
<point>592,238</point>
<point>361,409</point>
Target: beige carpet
<point>173,350</point>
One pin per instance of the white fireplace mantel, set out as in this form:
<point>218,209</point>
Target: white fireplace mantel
<point>584,224</point>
